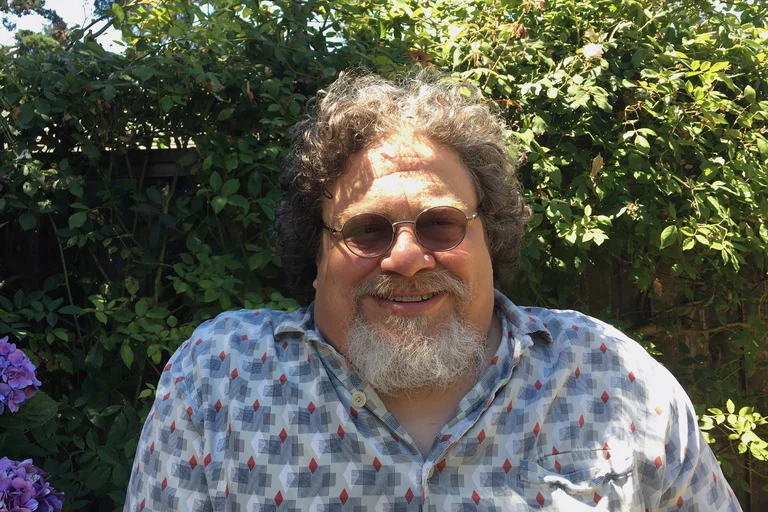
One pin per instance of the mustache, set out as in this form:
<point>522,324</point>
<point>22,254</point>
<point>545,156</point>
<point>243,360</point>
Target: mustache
<point>437,281</point>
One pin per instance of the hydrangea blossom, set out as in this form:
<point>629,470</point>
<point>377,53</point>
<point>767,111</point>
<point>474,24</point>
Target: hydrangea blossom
<point>23,488</point>
<point>17,377</point>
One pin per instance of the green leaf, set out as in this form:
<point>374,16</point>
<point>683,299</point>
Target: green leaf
<point>26,114</point>
<point>131,285</point>
<point>71,310</point>
<point>230,187</point>
<point>762,147</point>
<point>27,221</point>
<point>225,114</point>
<point>108,455</point>
<point>749,94</point>
<point>669,236</point>
<point>109,92</point>
<point>215,181</point>
<point>33,412</point>
<point>218,203</point>
<point>126,354</point>
<point>76,220</point>
<point>141,307</point>
<point>729,405</point>
<point>166,103</point>
<point>641,143</point>
<point>118,12</point>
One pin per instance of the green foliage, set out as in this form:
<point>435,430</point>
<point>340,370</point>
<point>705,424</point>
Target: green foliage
<point>647,163</point>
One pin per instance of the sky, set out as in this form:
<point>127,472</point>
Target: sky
<point>74,12</point>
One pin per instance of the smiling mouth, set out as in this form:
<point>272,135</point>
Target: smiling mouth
<point>408,298</point>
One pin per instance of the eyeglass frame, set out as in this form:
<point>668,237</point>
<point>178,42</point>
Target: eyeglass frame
<point>395,224</point>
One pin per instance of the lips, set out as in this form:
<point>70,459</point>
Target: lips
<point>411,298</point>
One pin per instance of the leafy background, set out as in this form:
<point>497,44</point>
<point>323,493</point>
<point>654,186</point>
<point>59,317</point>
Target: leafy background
<point>137,190</point>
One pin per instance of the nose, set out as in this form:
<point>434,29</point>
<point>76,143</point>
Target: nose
<point>406,256</point>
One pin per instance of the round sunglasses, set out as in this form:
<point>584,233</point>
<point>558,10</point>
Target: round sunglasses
<point>437,229</point>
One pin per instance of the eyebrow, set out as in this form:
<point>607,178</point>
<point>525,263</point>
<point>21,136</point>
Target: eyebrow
<point>351,211</point>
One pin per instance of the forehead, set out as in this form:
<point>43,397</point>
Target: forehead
<point>401,175</point>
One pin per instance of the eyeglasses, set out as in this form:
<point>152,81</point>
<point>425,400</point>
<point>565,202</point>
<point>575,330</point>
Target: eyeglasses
<point>437,229</point>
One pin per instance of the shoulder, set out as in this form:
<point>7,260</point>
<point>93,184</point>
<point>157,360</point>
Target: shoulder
<point>233,335</point>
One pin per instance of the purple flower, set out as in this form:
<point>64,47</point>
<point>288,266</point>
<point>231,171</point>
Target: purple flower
<point>23,488</point>
<point>17,377</point>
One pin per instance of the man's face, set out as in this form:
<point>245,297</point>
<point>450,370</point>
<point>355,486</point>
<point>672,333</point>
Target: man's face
<point>399,177</point>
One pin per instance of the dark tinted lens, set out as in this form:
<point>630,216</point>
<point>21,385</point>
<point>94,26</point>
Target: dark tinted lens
<point>367,234</point>
<point>441,228</point>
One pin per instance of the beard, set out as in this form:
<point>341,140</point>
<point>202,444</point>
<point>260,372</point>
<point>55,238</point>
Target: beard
<point>403,354</point>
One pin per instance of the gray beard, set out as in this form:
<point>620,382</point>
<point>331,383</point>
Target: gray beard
<point>410,353</point>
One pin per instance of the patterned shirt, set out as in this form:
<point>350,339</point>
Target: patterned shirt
<point>256,412</point>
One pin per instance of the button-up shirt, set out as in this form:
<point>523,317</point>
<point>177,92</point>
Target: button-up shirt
<point>257,412</point>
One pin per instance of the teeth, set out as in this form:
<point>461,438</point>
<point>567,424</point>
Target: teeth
<point>412,298</point>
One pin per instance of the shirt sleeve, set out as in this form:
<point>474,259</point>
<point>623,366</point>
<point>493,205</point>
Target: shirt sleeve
<point>692,478</point>
<point>168,471</point>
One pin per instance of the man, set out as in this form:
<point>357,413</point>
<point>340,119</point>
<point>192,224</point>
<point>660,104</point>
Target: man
<point>409,383</point>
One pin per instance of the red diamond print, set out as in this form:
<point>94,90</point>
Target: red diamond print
<point>256,313</point>
<point>578,372</point>
<point>507,466</point>
<point>632,427</point>
<point>311,407</point>
<point>189,411</point>
<point>312,466</point>
<point>540,499</point>
<point>445,438</point>
<point>409,495</point>
<point>256,405</point>
<point>481,436</point>
<point>167,367</point>
<point>729,494</point>
<point>285,345</point>
<point>283,379</point>
<point>666,447</point>
<point>606,447</point>
<point>229,429</point>
<point>603,348</point>
<point>164,484</point>
<point>251,464</point>
<point>475,497</point>
<point>138,467</point>
<point>142,504</point>
<point>441,465</point>
<point>604,397</point>
<point>166,397</point>
<point>607,455</point>
<point>283,436</point>
<point>680,502</point>
<point>173,427</point>
<point>264,357</point>
<point>278,498</point>
<point>631,377</point>
<point>226,491</point>
<point>557,465</point>
<point>207,460</point>
<point>192,462</point>
<point>178,379</point>
<point>234,373</point>
<point>218,405</point>
<point>531,319</point>
<point>152,416</point>
<point>186,345</point>
<point>393,436</point>
<point>199,341</point>
<point>244,337</point>
<point>495,360</point>
<point>714,477</point>
<point>528,310</point>
<point>340,431</point>
<point>575,327</point>
<point>222,355</point>
<point>537,385</point>
<point>596,498</point>
<point>353,412</point>
<point>554,451</point>
<point>581,420</point>
<point>658,410</point>
<point>509,408</point>
<point>376,464</point>
<point>658,462</point>
<point>544,324</point>
<point>152,448</point>
<point>536,430</point>
<point>343,497</point>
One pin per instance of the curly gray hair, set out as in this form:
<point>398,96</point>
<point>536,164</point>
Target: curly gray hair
<point>357,110</point>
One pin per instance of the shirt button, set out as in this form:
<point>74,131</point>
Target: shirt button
<point>358,399</point>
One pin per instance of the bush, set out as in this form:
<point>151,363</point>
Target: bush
<point>641,129</point>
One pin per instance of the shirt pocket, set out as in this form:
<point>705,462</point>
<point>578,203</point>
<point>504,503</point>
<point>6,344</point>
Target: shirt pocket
<point>594,479</point>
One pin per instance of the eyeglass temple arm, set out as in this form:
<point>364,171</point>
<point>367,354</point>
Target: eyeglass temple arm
<point>332,230</point>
